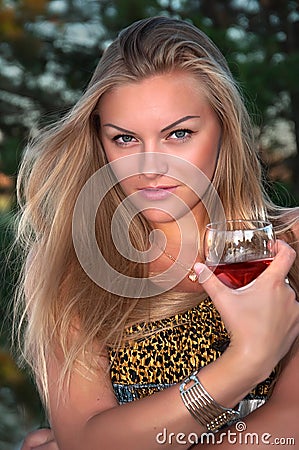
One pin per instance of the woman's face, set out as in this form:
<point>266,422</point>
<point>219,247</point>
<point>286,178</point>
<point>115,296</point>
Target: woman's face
<point>154,119</point>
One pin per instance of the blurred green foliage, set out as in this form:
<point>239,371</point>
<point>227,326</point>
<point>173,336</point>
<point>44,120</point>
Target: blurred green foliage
<point>20,408</point>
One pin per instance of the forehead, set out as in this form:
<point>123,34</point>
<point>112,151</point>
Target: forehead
<point>165,94</point>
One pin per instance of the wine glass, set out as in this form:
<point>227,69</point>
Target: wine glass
<point>237,251</point>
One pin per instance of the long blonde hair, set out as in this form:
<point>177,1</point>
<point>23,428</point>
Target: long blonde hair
<point>56,165</point>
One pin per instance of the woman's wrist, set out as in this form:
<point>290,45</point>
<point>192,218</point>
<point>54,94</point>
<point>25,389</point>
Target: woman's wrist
<point>231,377</point>
<point>202,406</point>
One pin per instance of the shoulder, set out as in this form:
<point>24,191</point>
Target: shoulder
<point>86,393</point>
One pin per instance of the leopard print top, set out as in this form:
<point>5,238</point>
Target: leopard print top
<point>172,349</point>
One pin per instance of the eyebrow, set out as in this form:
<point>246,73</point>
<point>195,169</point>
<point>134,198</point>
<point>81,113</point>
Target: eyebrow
<point>177,122</point>
<point>123,130</point>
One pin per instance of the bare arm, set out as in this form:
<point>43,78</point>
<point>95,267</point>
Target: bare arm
<point>90,418</point>
<point>280,415</point>
<point>277,419</point>
<point>274,423</point>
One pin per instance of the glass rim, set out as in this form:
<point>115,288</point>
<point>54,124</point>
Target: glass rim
<point>212,226</point>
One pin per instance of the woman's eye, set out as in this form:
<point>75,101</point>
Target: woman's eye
<point>180,134</point>
<point>123,139</point>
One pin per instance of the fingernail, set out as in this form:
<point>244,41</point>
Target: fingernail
<point>202,272</point>
<point>198,268</point>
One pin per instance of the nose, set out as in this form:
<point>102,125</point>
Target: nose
<point>153,164</point>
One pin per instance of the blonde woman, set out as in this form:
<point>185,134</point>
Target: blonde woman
<point>117,316</point>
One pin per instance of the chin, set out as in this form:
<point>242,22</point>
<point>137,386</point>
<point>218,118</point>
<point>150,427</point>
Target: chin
<point>156,216</point>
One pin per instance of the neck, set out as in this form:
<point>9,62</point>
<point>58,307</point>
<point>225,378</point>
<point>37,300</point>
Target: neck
<point>180,239</point>
<point>180,234</point>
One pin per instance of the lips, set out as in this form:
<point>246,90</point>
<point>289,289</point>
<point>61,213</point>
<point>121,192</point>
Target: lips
<point>157,192</point>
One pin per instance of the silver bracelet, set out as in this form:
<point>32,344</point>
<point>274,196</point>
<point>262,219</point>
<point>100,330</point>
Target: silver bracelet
<point>203,407</point>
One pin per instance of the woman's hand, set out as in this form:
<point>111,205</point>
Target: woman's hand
<point>263,321</point>
<point>42,439</point>
<point>263,317</point>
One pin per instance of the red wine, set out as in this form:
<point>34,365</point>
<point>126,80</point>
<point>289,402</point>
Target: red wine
<point>236,275</point>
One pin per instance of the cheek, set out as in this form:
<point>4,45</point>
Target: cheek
<point>206,163</point>
<point>110,155</point>
<point>206,158</point>
<point>124,168</point>
<point>128,184</point>
<point>210,165</point>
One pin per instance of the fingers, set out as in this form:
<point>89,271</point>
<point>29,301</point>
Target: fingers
<point>279,268</point>
<point>211,284</point>
<point>37,438</point>
<point>282,262</point>
<point>263,317</point>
